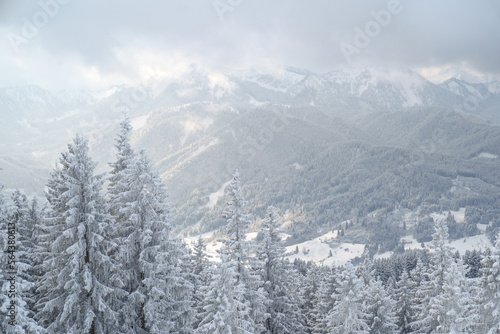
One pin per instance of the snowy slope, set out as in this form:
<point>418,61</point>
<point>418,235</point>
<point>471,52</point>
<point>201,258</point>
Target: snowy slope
<point>318,250</point>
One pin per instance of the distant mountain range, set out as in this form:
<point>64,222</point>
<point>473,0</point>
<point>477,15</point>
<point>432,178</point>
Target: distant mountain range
<point>348,144</point>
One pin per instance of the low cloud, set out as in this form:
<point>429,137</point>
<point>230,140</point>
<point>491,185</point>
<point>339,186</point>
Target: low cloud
<point>94,43</point>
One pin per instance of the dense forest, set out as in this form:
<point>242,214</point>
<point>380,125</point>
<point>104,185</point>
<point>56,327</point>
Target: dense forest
<point>101,257</point>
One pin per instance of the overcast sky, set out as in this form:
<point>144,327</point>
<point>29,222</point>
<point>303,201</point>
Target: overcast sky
<point>94,43</point>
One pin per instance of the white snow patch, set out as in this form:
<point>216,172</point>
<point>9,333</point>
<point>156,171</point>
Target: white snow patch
<point>212,245</point>
<point>203,148</point>
<point>214,197</point>
<point>297,166</point>
<point>317,250</point>
<point>251,235</point>
<point>459,215</point>
<point>256,103</point>
<point>411,243</point>
<point>139,122</point>
<point>482,227</point>
<point>477,242</point>
<point>384,255</point>
<point>487,155</point>
<point>470,243</point>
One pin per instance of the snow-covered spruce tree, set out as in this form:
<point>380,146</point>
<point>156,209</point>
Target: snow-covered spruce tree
<point>309,280</point>
<point>156,293</point>
<point>50,228</point>
<point>323,302</point>
<point>200,259</point>
<point>78,266</point>
<point>441,255</point>
<point>405,309</point>
<point>19,216</point>
<point>118,195</point>
<point>441,260</point>
<point>226,311</point>
<point>201,270</point>
<point>490,294</point>
<point>348,316</point>
<point>380,308</point>
<point>240,250</point>
<point>278,276</point>
<point>125,158</point>
<point>431,286</point>
<point>37,256</point>
<point>3,259</point>
<point>127,277</point>
<point>422,319</point>
<point>455,305</point>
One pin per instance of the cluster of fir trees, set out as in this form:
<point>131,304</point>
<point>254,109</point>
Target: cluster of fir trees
<point>95,263</point>
<point>438,294</point>
<point>91,262</point>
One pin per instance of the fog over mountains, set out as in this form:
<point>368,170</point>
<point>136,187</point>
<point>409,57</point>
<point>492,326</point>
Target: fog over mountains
<point>350,144</point>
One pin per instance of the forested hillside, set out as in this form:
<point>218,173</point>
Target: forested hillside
<point>101,257</point>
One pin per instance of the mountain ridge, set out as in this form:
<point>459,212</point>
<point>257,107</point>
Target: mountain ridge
<point>327,147</point>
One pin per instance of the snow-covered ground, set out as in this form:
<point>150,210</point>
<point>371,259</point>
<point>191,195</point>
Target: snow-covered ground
<point>318,249</point>
<point>478,242</point>
<point>214,197</point>
<point>459,215</point>
<point>213,245</point>
<point>139,121</point>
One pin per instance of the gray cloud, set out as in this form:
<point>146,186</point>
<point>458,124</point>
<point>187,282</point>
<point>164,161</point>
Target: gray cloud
<point>100,42</point>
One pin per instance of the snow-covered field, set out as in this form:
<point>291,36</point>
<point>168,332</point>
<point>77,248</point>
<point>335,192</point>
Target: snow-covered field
<point>478,242</point>
<point>459,215</point>
<point>318,249</point>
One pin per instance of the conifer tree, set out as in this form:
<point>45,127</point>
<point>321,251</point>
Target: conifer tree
<point>119,195</point>
<point>431,286</point>
<point>421,300</point>
<point>405,311</point>
<point>124,157</point>
<point>226,310</point>
<point>380,309</point>
<point>280,286</point>
<point>323,302</point>
<point>156,292</point>
<point>76,284</point>
<point>200,260</point>
<point>441,260</point>
<point>19,216</point>
<point>201,277</point>
<point>3,261</point>
<point>241,251</point>
<point>455,305</point>
<point>349,316</point>
<point>490,296</point>
<point>309,280</point>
